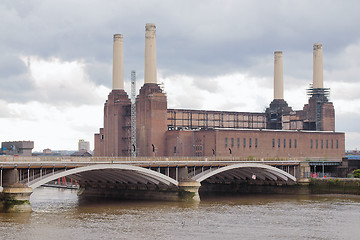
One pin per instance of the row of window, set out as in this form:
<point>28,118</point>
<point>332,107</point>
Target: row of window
<point>279,143</point>
<point>238,142</point>
<point>322,143</point>
<point>291,143</point>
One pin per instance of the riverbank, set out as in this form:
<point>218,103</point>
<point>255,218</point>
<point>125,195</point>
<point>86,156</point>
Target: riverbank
<point>310,186</point>
<point>334,186</point>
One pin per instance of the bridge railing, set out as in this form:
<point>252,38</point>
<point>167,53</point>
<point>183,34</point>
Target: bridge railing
<point>30,159</point>
<point>31,178</point>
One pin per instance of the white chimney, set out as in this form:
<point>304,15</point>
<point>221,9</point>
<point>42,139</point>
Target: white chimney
<point>318,81</point>
<point>150,54</point>
<point>278,75</point>
<point>118,63</point>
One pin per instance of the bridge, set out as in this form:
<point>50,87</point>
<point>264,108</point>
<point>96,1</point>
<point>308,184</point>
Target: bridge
<point>166,178</point>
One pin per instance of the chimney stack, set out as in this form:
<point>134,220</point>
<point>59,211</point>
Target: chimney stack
<point>318,81</point>
<point>278,75</point>
<point>118,63</point>
<point>150,54</point>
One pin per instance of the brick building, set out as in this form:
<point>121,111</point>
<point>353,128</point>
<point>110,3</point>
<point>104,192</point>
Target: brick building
<point>279,132</point>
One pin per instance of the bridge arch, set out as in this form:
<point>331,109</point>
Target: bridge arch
<point>245,171</point>
<point>105,172</point>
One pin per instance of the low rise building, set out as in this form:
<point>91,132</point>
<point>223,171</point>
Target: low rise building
<point>19,148</point>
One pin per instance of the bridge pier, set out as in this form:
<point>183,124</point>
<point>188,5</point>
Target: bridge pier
<point>304,173</point>
<point>186,191</point>
<point>14,197</point>
<point>189,190</point>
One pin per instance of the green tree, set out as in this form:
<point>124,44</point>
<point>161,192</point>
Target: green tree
<point>357,173</point>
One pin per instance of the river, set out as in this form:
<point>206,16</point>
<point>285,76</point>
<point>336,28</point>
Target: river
<point>59,214</point>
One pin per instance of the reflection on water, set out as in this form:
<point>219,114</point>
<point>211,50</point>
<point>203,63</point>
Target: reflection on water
<point>58,214</point>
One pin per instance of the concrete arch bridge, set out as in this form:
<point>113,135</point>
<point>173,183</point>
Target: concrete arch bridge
<point>158,180</point>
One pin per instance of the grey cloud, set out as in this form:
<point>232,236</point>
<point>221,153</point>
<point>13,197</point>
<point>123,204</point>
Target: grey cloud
<point>209,85</point>
<point>16,86</point>
<point>11,65</point>
<point>225,38</point>
<point>100,73</point>
<point>348,122</point>
<point>15,83</point>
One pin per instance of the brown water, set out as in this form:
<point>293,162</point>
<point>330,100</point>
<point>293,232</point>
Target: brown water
<point>58,214</point>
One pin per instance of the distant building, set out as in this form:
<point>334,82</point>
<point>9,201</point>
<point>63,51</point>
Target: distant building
<point>81,153</point>
<point>20,148</point>
<point>84,145</point>
<point>47,151</point>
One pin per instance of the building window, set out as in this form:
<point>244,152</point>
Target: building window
<point>273,142</point>
<point>244,142</point>
<point>278,142</point>
<point>232,142</point>
<point>295,143</point>
<point>337,143</point>
<point>225,142</point>
<point>317,144</point>
<point>175,149</point>
<point>256,142</point>
<point>102,136</point>
<point>327,143</point>
<point>249,142</point>
<point>311,143</point>
<point>289,143</point>
<point>322,143</point>
<point>332,143</point>
<point>284,143</point>
<point>238,142</point>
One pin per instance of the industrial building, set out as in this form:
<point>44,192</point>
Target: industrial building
<point>17,148</point>
<point>279,132</point>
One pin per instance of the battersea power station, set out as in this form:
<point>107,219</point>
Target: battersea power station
<point>279,132</point>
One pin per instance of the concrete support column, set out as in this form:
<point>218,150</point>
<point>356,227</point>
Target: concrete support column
<point>183,173</point>
<point>118,63</point>
<point>189,190</point>
<point>15,198</point>
<point>318,81</point>
<point>10,176</point>
<point>304,172</point>
<point>150,54</point>
<point>278,75</point>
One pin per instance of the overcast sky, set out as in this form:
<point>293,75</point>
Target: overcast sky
<point>56,59</point>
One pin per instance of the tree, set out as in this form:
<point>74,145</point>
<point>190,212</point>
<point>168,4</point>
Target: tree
<point>357,173</point>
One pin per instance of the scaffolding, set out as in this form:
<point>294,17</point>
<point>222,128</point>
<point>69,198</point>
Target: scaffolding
<point>133,113</point>
<point>185,119</point>
<point>320,96</point>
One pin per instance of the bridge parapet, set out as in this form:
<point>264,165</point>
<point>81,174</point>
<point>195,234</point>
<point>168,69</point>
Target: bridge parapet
<point>65,159</point>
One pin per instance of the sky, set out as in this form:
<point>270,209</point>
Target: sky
<point>56,60</point>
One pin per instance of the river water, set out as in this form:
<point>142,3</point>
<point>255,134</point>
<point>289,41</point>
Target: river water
<point>59,214</point>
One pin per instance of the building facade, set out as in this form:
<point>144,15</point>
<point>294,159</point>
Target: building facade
<point>253,143</point>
